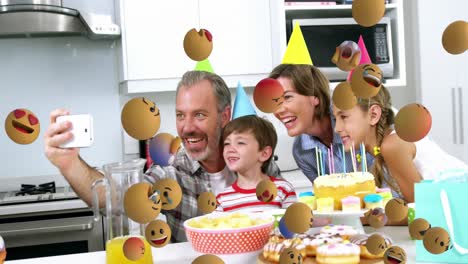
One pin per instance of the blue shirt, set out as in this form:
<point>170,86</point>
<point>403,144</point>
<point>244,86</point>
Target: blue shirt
<point>304,153</point>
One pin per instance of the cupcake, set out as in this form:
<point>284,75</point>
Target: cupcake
<point>386,194</point>
<point>309,199</point>
<point>351,204</point>
<point>372,201</point>
<point>325,204</point>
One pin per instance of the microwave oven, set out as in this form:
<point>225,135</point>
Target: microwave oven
<point>323,35</point>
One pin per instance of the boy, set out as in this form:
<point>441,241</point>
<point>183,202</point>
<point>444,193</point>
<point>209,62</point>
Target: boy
<point>249,143</point>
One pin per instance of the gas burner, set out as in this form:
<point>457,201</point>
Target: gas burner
<point>30,189</point>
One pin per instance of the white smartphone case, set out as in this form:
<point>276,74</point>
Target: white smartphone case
<point>82,130</point>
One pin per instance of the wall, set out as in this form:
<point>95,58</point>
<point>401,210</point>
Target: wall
<point>47,73</point>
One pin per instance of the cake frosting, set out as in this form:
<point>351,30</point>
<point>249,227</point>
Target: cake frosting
<point>341,185</point>
<point>339,249</point>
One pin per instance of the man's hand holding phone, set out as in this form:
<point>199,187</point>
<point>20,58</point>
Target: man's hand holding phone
<point>81,128</point>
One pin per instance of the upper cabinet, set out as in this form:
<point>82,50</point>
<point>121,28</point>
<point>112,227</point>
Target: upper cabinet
<point>247,42</point>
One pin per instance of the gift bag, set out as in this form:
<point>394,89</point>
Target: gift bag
<point>444,204</point>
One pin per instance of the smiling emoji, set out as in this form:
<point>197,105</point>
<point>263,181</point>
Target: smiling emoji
<point>290,256</point>
<point>396,209</point>
<point>141,204</point>
<point>140,118</point>
<point>198,45</point>
<point>266,191</point>
<point>268,95</point>
<point>298,217</point>
<point>366,80</point>
<point>436,240</point>
<point>395,255</point>
<point>207,202</point>
<point>22,126</point>
<point>347,56</point>
<point>413,122</point>
<point>418,228</point>
<point>158,233</point>
<point>376,244</point>
<point>134,248</point>
<point>170,191</point>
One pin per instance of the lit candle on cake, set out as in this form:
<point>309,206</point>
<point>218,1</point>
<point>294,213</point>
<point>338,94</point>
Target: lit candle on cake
<point>344,159</point>
<point>317,159</point>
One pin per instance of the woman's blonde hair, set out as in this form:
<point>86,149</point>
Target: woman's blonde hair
<point>387,118</point>
<point>309,81</point>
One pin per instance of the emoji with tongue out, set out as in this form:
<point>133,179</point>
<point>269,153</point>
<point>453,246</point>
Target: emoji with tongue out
<point>198,45</point>
<point>158,233</point>
<point>395,255</point>
<point>366,80</point>
<point>347,55</point>
<point>22,126</point>
<point>266,191</point>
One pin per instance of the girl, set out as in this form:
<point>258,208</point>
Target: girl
<point>398,164</point>
<point>307,115</point>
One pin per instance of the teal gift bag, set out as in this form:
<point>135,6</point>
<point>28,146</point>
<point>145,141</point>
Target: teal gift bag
<point>444,204</point>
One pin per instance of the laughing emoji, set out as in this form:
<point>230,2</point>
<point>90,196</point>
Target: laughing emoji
<point>366,80</point>
<point>266,191</point>
<point>141,204</point>
<point>395,255</point>
<point>158,233</point>
<point>22,126</point>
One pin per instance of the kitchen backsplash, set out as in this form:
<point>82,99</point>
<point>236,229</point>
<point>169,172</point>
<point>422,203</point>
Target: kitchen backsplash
<point>42,74</point>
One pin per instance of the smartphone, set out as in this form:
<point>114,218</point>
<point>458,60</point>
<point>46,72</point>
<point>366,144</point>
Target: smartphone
<point>82,130</point>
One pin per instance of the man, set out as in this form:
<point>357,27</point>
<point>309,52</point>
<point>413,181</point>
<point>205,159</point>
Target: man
<point>203,108</point>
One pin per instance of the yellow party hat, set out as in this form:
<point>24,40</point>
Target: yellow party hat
<point>297,52</point>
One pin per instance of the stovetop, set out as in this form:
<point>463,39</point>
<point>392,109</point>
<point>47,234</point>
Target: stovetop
<point>30,193</point>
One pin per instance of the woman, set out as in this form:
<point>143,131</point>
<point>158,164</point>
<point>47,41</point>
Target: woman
<point>307,115</point>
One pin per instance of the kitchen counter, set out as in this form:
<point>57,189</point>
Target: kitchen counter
<point>183,253</point>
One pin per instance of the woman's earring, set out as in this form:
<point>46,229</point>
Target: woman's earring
<point>376,151</point>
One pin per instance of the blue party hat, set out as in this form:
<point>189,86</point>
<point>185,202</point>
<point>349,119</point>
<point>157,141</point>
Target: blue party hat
<point>242,104</point>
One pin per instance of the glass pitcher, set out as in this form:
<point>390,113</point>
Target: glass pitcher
<point>118,177</point>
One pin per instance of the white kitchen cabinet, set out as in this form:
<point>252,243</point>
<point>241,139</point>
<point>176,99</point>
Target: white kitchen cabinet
<point>246,40</point>
<point>443,86</point>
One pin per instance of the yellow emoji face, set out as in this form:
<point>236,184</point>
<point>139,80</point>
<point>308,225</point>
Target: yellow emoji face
<point>140,118</point>
<point>376,244</point>
<point>396,209</point>
<point>366,80</point>
<point>413,122</point>
<point>376,217</point>
<point>455,37</point>
<point>290,256</point>
<point>175,145</point>
<point>394,254</point>
<point>170,193</point>
<point>198,45</point>
<point>208,259</point>
<point>141,204</point>
<point>207,202</point>
<point>347,55</point>
<point>436,240</point>
<point>266,191</point>
<point>134,248</point>
<point>298,218</point>
<point>343,96</point>
<point>22,126</point>
<point>158,233</point>
<point>368,12</point>
<point>418,228</point>
<point>268,95</point>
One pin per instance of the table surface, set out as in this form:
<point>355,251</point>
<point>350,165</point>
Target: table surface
<point>184,253</point>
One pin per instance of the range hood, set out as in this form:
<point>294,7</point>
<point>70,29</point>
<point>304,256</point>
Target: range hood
<point>49,18</point>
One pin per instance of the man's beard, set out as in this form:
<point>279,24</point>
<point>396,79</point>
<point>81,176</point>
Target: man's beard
<point>205,153</point>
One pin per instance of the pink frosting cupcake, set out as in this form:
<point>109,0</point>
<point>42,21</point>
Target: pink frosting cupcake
<point>351,204</point>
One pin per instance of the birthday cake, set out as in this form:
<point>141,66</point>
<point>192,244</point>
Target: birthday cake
<point>341,185</point>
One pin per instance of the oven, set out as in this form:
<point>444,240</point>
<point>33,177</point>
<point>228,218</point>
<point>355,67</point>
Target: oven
<point>51,233</point>
<point>52,223</point>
